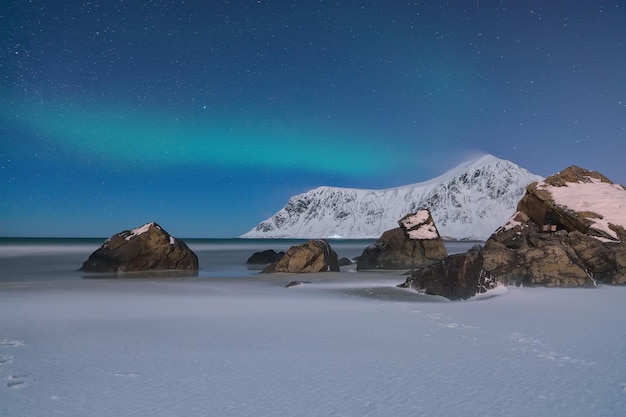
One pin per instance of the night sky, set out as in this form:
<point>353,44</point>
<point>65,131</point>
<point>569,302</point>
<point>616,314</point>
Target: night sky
<point>206,116</point>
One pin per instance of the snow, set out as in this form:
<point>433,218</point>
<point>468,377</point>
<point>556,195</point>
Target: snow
<point>425,230</point>
<point>512,223</point>
<point>415,219</point>
<point>139,230</point>
<point>355,346</point>
<point>468,202</point>
<point>604,199</point>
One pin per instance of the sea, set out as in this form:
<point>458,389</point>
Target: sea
<point>59,259</point>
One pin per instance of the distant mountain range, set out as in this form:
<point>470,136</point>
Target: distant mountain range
<point>468,202</point>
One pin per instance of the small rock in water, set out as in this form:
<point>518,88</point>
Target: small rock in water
<point>264,257</point>
<point>296,283</point>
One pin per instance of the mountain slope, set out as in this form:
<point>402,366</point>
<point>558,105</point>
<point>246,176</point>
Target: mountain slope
<point>468,202</point>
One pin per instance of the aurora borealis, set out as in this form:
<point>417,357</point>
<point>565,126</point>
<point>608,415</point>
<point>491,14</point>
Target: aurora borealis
<point>207,116</point>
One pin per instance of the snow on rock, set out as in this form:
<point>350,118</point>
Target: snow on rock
<point>605,203</point>
<point>141,230</point>
<point>414,243</point>
<point>144,248</point>
<point>420,225</point>
<point>467,202</point>
<point>568,232</point>
<point>514,221</point>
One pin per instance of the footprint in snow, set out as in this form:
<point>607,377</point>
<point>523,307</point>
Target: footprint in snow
<point>446,322</point>
<point>523,340</point>
<point>18,381</point>
<point>529,345</point>
<point>6,343</point>
<point>126,374</point>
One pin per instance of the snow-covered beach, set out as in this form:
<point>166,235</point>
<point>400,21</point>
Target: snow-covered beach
<point>347,344</point>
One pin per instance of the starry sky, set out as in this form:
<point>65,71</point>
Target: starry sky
<point>206,116</point>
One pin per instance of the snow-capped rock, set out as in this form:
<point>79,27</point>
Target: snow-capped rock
<point>467,202</point>
<point>416,242</point>
<point>145,248</point>
<point>569,231</point>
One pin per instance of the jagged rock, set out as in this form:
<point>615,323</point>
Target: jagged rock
<point>312,256</point>
<point>568,232</point>
<point>146,248</point>
<point>457,277</point>
<point>416,242</point>
<point>265,257</point>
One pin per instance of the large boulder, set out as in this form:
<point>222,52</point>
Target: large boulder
<point>145,248</point>
<point>457,277</point>
<point>312,256</point>
<point>568,232</point>
<point>416,242</point>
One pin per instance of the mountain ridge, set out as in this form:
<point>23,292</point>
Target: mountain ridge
<point>468,202</point>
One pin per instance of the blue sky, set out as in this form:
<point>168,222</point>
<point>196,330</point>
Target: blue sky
<point>208,116</point>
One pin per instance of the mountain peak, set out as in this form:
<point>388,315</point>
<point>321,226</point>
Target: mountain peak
<point>469,201</point>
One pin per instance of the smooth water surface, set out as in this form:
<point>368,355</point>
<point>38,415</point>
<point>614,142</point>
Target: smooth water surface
<point>37,259</point>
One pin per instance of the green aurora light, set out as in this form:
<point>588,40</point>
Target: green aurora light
<point>146,140</point>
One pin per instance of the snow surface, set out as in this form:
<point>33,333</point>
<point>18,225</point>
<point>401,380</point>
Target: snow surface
<point>606,200</point>
<point>336,347</point>
<point>468,202</point>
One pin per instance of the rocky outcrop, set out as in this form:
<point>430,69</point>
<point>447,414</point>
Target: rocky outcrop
<point>312,256</point>
<point>557,201</point>
<point>264,257</point>
<point>416,242</point>
<point>457,277</point>
<point>146,248</point>
<point>567,232</point>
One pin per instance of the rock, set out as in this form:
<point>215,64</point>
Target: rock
<point>265,257</point>
<point>312,256</point>
<point>296,283</point>
<point>567,232</point>
<point>345,262</point>
<point>457,277</point>
<point>416,242</point>
<point>559,201</point>
<point>146,248</point>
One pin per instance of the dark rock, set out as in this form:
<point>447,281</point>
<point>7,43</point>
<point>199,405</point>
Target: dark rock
<point>296,283</point>
<point>536,259</point>
<point>265,257</point>
<point>550,244</point>
<point>146,248</point>
<point>457,277</point>
<point>416,242</point>
<point>312,256</point>
<point>345,262</point>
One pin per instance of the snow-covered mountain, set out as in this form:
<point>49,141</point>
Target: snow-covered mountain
<point>468,202</point>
